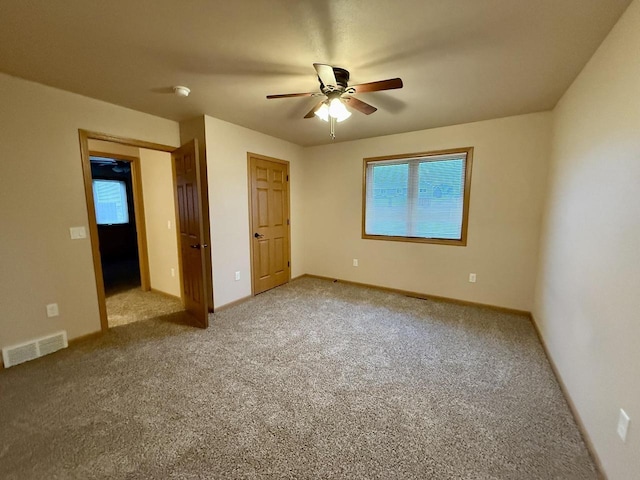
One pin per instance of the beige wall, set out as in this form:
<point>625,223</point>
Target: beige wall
<point>194,128</point>
<point>509,171</point>
<point>160,220</point>
<point>42,195</point>
<point>587,291</point>
<point>227,146</point>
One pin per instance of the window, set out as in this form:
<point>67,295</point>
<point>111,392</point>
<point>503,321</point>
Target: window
<point>419,197</point>
<point>110,200</point>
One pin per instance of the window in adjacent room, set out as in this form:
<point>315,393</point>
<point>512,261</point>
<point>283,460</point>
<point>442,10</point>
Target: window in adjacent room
<point>418,197</point>
<point>110,200</point>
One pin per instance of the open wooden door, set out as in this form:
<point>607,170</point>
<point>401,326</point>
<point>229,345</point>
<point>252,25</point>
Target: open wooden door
<point>269,212</point>
<point>190,180</point>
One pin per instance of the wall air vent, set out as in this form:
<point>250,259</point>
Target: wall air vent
<point>33,349</point>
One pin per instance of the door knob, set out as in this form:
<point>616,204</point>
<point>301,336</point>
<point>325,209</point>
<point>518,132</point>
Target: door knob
<point>197,245</point>
<point>258,235</point>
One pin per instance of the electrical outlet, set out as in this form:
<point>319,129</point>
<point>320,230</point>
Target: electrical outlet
<point>623,425</point>
<point>173,272</point>
<point>237,276</point>
<point>52,310</point>
<point>355,262</point>
<point>472,277</point>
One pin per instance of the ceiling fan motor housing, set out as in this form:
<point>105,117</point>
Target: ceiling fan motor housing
<point>342,80</point>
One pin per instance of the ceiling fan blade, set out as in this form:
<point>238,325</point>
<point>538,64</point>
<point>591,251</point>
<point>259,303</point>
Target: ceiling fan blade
<point>312,112</point>
<point>390,84</point>
<point>360,105</point>
<point>287,95</point>
<point>325,72</point>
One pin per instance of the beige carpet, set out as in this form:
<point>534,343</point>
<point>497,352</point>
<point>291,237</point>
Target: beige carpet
<point>132,305</point>
<point>313,380</point>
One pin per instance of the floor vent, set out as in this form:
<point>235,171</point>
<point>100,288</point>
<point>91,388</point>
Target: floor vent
<point>35,348</point>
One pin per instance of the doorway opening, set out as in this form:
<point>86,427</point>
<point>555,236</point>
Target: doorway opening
<point>135,226</point>
<point>117,221</point>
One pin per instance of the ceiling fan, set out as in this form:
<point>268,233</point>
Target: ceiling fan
<point>334,86</point>
<point>116,165</point>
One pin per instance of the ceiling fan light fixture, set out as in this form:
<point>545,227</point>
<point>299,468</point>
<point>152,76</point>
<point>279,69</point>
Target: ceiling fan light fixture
<point>323,112</point>
<point>338,111</point>
<point>343,116</point>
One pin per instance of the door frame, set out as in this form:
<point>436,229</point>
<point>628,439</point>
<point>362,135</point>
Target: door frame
<point>85,136</point>
<point>251,155</point>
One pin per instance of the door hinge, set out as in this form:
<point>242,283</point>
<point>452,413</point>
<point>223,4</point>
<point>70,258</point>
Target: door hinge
<point>287,178</point>
<point>288,264</point>
<point>288,222</point>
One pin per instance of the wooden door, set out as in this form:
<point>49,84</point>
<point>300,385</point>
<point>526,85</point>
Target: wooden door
<point>269,211</point>
<point>190,176</point>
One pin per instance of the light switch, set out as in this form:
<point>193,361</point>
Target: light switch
<point>78,232</point>
<point>623,425</point>
<point>52,310</point>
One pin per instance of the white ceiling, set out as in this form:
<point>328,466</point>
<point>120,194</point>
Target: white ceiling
<point>460,60</point>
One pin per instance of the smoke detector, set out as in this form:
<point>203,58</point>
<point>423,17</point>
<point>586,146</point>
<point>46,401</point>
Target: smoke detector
<point>181,91</point>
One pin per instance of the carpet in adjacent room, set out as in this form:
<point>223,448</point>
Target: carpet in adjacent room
<point>128,305</point>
